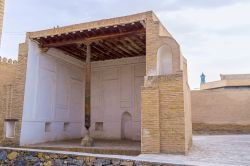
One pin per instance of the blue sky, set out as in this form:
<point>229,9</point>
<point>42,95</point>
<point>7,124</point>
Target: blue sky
<point>214,34</point>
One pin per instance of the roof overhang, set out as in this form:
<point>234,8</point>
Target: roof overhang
<point>110,39</point>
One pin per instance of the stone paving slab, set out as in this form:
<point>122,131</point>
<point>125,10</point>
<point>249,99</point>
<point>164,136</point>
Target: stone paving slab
<point>211,150</point>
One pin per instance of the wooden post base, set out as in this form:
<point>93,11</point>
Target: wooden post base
<point>87,141</point>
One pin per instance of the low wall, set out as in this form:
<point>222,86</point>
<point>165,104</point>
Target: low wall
<point>11,156</point>
<point>221,111</point>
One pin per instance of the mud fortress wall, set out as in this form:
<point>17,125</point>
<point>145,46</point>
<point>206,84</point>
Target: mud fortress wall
<point>221,110</point>
<point>8,68</point>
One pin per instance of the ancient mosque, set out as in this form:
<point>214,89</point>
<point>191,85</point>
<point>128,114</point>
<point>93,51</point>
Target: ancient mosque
<point>114,81</point>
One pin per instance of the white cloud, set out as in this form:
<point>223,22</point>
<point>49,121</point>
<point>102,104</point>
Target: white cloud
<point>213,40</point>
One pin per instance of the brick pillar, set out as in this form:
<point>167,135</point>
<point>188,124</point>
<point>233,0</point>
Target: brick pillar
<point>165,123</point>
<point>163,115</point>
<point>150,133</point>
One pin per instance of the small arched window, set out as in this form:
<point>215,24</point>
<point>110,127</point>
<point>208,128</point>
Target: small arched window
<point>164,60</point>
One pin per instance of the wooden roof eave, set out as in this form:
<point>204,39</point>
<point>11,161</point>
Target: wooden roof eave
<point>92,39</point>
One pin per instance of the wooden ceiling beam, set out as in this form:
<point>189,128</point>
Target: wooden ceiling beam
<point>103,53</point>
<point>95,38</point>
<point>113,46</point>
<point>72,53</point>
<point>132,43</point>
<point>121,47</point>
<point>113,49</point>
<point>127,45</point>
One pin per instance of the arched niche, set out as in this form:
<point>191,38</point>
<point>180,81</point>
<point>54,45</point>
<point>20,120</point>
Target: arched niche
<point>164,60</point>
<point>126,126</point>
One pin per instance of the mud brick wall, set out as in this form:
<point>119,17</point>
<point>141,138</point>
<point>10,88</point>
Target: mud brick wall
<point>168,129</point>
<point>7,82</point>
<point>164,116</point>
<point>150,120</point>
<point>221,111</point>
<point>18,97</point>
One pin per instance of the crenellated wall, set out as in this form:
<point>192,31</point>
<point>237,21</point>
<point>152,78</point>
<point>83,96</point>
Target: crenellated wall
<point>8,68</point>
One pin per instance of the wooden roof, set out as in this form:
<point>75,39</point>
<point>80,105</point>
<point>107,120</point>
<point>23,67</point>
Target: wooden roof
<point>118,41</point>
<point>110,38</point>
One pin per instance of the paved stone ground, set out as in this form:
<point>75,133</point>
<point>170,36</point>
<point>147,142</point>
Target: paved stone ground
<point>214,150</point>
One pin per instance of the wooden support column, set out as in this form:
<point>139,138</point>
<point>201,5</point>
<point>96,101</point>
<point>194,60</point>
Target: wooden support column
<point>88,88</point>
<point>87,140</point>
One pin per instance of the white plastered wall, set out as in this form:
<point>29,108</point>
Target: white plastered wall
<point>54,94</point>
<point>116,89</point>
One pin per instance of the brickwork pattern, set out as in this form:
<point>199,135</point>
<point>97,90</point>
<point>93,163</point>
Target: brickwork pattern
<point>18,97</point>
<point>174,99</point>
<point>155,40</point>
<point>7,82</point>
<point>173,136</point>
<point>150,133</point>
<point>172,121</point>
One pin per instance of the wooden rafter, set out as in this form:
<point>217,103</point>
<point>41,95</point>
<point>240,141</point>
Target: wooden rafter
<point>95,38</point>
<point>113,49</point>
<point>133,44</point>
<point>121,47</point>
<point>129,47</point>
<point>112,42</point>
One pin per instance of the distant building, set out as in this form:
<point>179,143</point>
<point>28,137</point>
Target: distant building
<point>223,105</point>
<point>230,81</point>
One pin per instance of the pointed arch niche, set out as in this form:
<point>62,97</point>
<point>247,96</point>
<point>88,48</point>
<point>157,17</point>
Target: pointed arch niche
<point>164,60</point>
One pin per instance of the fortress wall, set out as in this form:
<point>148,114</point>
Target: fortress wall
<point>7,80</point>
<point>220,111</point>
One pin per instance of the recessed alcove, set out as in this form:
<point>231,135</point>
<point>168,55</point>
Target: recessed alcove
<point>99,126</point>
<point>10,128</point>
<point>47,127</point>
<point>66,126</point>
<point>164,60</point>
